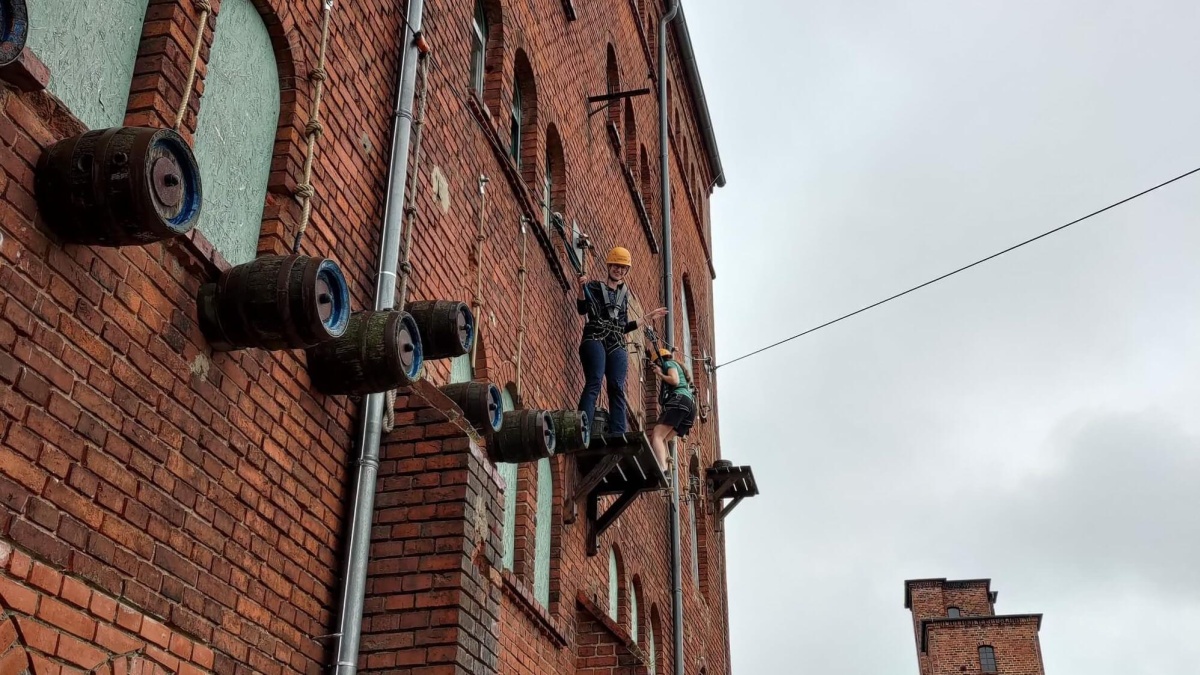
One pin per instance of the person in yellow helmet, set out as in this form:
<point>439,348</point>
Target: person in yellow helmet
<point>677,407</point>
<point>602,350</point>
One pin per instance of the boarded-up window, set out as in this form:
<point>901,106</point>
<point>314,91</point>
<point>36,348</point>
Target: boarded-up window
<point>235,134</point>
<point>614,585</point>
<point>633,612</point>
<point>509,473</point>
<point>461,370</point>
<point>545,512</point>
<point>90,48</point>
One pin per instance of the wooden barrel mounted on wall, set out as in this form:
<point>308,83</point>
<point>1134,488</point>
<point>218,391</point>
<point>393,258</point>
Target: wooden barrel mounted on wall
<point>600,423</point>
<point>378,352</point>
<point>524,436</point>
<point>14,29</point>
<point>480,402</point>
<point>447,327</point>
<point>572,431</point>
<point>124,186</point>
<point>275,302</point>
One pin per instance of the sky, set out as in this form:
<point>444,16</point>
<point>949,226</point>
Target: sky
<point>1033,420</point>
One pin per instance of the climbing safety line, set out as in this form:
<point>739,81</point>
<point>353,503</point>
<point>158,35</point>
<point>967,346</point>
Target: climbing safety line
<point>201,25</point>
<point>305,191</point>
<point>963,268</point>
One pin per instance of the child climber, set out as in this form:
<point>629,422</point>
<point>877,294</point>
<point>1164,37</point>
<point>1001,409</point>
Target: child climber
<point>678,408</point>
<point>602,350</point>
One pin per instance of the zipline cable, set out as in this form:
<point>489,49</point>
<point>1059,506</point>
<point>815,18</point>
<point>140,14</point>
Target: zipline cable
<point>961,269</point>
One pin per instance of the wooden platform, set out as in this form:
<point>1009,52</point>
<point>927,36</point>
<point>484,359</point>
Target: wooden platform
<point>730,482</point>
<point>616,464</point>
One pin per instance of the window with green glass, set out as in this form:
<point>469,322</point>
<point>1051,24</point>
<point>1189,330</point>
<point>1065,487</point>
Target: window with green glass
<point>509,473</point>
<point>235,131</point>
<point>545,512</point>
<point>90,49</point>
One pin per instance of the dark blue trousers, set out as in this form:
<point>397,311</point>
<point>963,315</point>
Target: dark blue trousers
<point>611,365</point>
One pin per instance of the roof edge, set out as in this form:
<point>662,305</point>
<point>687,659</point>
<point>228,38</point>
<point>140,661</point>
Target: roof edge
<point>688,55</point>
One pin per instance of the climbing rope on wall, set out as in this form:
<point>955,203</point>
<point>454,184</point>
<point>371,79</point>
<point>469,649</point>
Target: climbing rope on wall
<point>304,192</point>
<point>201,25</point>
<point>410,213</point>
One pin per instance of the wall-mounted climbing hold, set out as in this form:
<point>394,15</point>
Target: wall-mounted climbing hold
<point>119,187</point>
<point>275,302</point>
<point>379,351</point>
<point>480,403</point>
<point>447,327</point>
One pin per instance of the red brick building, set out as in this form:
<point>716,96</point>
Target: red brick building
<point>174,508</point>
<point>958,631</point>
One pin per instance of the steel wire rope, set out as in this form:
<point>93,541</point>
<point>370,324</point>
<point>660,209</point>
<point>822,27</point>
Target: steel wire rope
<point>960,269</point>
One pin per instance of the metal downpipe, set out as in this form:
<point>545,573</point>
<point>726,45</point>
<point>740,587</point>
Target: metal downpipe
<point>669,298</point>
<point>358,548</point>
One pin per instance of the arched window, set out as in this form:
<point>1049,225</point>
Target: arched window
<point>685,306</point>
<point>987,660</point>
<point>235,132</point>
<point>479,44</point>
<point>523,119</point>
<point>542,533</point>
<point>554,181</point>
<point>647,179</point>
<point>509,473</point>
<point>90,49</point>
<point>516,125</point>
<point>612,79</point>
<point>631,146</point>
<point>652,637</point>
<point>953,613</point>
<point>694,483</point>
<point>614,584</point>
<point>633,610</point>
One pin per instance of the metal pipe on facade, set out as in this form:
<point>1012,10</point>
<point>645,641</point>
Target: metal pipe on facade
<point>358,547</point>
<point>669,298</point>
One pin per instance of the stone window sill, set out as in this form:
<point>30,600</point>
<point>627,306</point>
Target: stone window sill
<point>523,598</point>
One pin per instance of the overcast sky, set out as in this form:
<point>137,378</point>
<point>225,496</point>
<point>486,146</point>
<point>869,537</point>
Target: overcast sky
<point>1033,420</point>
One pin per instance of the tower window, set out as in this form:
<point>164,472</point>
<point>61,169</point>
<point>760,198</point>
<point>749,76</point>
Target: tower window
<point>953,613</point>
<point>987,660</point>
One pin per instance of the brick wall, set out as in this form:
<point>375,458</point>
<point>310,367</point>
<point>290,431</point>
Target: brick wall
<point>948,645</point>
<point>204,493</point>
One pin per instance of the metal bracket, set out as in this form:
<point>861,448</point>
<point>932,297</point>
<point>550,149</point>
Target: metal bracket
<point>609,98</point>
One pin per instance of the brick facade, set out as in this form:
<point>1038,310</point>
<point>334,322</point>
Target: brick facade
<point>949,645</point>
<point>170,507</point>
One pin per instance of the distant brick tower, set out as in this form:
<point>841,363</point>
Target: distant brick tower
<point>957,630</point>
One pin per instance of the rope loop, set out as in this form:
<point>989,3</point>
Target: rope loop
<point>314,128</point>
<point>318,74</point>
<point>305,191</point>
<point>203,6</point>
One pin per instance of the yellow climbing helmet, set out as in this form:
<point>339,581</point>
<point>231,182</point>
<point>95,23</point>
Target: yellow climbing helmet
<point>664,353</point>
<point>619,256</point>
